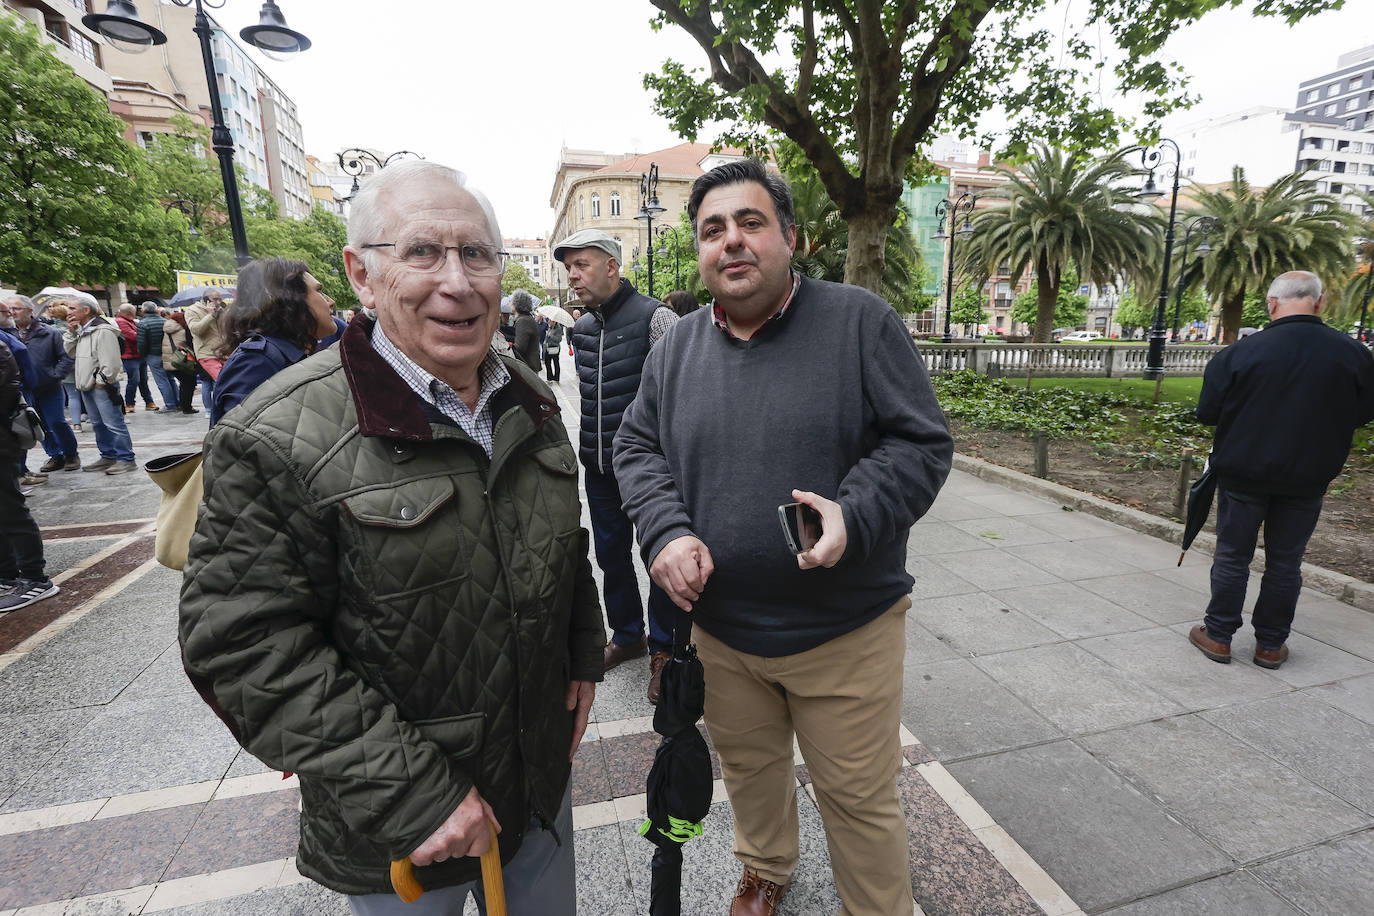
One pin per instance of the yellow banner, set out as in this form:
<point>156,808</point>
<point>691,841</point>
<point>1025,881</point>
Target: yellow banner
<point>189,278</point>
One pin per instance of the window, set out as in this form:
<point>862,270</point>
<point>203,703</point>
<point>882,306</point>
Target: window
<point>1337,187</point>
<point>1351,104</point>
<point>615,203</point>
<point>1313,95</point>
<point>84,47</point>
<point>1332,89</point>
<point>1324,165</point>
<point>1350,123</point>
<point>596,206</point>
<point>581,207</point>
<point>1338,167</point>
<point>1329,109</point>
<point>1356,82</point>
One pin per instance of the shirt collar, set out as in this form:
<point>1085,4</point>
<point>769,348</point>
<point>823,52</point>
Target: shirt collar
<point>492,374</point>
<point>718,313</point>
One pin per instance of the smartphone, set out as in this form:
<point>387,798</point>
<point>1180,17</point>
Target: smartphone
<point>801,526</point>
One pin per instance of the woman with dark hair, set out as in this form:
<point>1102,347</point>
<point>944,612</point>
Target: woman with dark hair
<point>278,314</point>
<point>682,302</point>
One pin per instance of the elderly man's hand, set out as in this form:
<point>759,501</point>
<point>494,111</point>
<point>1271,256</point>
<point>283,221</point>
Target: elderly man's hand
<point>682,568</point>
<point>464,833</point>
<point>580,697</point>
<point>828,550</point>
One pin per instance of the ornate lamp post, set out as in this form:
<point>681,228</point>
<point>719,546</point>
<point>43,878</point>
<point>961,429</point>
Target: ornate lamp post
<point>649,209</point>
<point>1205,226</point>
<point>354,162</point>
<point>946,207</point>
<point>121,27</point>
<point>1152,158</point>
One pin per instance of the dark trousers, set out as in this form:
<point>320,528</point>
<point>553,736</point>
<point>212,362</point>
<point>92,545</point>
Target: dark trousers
<point>21,546</point>
<point>613,535</point>
<point>551,364</point>
<point>60,441</point>
<point>136,375</point>
<point>186,389</point>
<point>1288,524</point>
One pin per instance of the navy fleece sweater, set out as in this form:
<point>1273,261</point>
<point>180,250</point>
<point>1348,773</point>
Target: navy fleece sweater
<point>833,399</point>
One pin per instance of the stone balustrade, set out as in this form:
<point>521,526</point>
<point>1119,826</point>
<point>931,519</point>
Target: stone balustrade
<point>1093,360</point>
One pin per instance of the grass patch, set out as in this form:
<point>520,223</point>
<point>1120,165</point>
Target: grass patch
<point>1183,390</point>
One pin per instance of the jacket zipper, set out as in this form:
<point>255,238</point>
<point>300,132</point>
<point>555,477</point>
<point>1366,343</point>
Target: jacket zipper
<point>600,370</point>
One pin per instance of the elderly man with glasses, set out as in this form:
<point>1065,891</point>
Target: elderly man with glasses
<point>388,591</point>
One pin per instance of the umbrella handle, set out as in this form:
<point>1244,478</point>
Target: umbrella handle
<point>404,883</point>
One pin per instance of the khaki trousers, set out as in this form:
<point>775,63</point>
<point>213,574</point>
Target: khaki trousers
<point>843,700</point>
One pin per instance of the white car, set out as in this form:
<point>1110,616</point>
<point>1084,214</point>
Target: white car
<point>1081,337</point>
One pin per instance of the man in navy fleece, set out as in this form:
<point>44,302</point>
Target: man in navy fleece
<point>788,389</point>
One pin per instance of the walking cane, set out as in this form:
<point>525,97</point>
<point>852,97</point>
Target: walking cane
<point>409,890</point>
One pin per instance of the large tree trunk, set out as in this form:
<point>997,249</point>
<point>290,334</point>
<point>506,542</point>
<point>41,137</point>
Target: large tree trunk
<point>1046,297</point>
<point>1231,309</point>
<point>864,262</point>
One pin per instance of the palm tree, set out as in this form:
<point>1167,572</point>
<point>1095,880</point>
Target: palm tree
<point>823,243</point>
<point>1360,288</point>
<point>1263,232</point>
<point>1064,209</point>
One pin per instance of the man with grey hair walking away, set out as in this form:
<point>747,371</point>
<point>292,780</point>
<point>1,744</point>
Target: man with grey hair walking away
<point>1286,402</point>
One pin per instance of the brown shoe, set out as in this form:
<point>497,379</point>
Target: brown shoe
<point>656,663</point>
<point>1216,651</point>
<point>755,896</point>
<point>616,653</point>
<point>1271,658</point>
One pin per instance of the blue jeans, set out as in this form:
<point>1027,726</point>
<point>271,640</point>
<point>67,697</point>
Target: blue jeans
<point>74,408</point>
<point>60,441</point>
<point>613,535</point>
<point>137,375</point>
<point>1288,524</point>
<point>165,386</point>
<point>107,420</point>
<point>539,879</point>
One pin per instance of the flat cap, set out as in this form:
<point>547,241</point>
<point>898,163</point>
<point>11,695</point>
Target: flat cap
<point>588,238</point>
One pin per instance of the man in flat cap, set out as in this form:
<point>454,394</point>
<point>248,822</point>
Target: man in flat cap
<point>610,342</point>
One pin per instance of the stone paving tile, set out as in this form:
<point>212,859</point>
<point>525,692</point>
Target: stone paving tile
<point>1234,894</point>
<point>1340,625</point>
<point>630,757</point>
<point>922,646</point>
<point>1162,659</point>
<point>30,741</point>
<point>304,899</point>
<point>1317,741</point>
<point>949,508</point>
<point>1068,811</point>
<point>89,858</point>
<point>932,537</point>
<point>917,754</point>
<point>603,881</point>
<point>1354,696</point>
<point>980,624</point>
<point>992,569</point>
<point>164,677</point>
<point>132,747</point>
<point>934,580</point>
<point>1071,611</point>
<point>1196,573</point>
<point>1070,560</point>
<point>1075,526</point>
<point>245,764</point>
<point>1150,596</point>
<point>1075,690</point>
<point>1006,502</point>
<point>622,695</point>
<point>1309,663</point>
<point>1334,878</point>
<point>1245,802</point>
<point>951,870</point>
<point>60,556</point>
<point>1004,531</point>
<point>1139,550</point>
<point>959,711</point>
<point>240,831</point>
<point>589,779</point>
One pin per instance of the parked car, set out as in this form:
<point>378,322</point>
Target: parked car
<point>1081,337</point>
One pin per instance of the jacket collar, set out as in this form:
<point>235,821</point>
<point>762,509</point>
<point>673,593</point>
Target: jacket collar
<point>387,406</point>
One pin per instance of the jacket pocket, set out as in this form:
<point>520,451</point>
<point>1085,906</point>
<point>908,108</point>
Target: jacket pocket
<point>459,737</point>
<point>408,539</point>
<point>405,506</point>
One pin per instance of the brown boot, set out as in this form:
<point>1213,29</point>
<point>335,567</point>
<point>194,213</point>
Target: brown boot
<point>755,896</point>
<point>656,663</point>
<point>1271,658</point>
<point>616,653</point>
<point>1216,651</point>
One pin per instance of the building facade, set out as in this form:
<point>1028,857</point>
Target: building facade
<point>59,22</point>
<point>534,256</point>
<point>147,110</point>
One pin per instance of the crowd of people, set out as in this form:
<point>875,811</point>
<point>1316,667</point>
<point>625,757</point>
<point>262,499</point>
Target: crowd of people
<point>389,590</point>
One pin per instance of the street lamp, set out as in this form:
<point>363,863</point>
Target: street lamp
<point>649,208</point>
<point>1205,226</point>
<point>949,208</point>
<point>122,27</point>
<point>663,233</point>
<point>351,162</point>
<point>1152,158</point>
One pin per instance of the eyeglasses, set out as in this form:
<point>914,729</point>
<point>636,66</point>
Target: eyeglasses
<point>427,256</point>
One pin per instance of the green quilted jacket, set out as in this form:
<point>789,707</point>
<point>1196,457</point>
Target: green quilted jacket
<point>373,604</point>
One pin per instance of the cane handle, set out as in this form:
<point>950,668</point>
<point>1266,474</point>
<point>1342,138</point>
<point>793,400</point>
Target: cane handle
<point>408,888</point>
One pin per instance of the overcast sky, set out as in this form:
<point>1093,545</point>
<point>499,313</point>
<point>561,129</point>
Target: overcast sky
<point>496,88</point>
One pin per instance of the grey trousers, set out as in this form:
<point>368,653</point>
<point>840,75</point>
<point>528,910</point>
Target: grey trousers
<point>539,880</point>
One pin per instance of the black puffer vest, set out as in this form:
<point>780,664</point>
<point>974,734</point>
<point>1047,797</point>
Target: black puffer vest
<point>611,344</point>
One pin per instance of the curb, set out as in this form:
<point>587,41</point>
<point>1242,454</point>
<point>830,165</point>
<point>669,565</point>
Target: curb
<point>1343,588</point>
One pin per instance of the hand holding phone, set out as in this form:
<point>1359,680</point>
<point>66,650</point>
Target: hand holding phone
<point>801,526</point>
<point>829,547</point>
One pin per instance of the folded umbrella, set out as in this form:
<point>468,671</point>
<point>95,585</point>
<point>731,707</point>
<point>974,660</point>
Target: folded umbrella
<point>1200,497</point>
<point>679,785</point>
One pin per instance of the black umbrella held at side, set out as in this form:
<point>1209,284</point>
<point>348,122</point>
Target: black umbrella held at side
<point>679,789</point>
<point>1199,507</point>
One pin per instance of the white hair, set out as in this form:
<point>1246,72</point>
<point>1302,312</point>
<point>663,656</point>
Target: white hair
<point>1296,284</point>
<point>366,220</point>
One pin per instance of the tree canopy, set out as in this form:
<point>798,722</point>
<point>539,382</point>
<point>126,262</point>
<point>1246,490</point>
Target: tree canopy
<point>517,277</point>
<point>861,86</point>
<point>969,307</point>
<point>75,201</point>
<point>1070,306</point>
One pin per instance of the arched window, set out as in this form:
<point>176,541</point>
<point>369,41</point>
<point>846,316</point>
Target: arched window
<point>596,206</point>
<point>581,207</point>
<point>615,203</point>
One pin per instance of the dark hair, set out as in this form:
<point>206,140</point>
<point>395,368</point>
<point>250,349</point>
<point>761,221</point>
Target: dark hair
<point>739,172</point>
<point>682,302</point>
<point>271,300</point>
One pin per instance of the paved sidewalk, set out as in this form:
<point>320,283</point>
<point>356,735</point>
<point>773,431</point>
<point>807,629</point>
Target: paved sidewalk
<point>1075,753</point>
